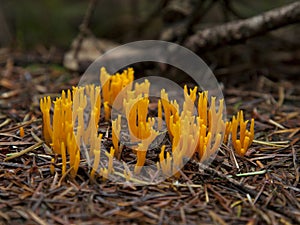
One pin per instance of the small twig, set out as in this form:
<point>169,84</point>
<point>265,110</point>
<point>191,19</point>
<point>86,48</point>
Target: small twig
<point>23,124</point>
<point>14,165</point>
<point>248,174</point>
<point>10,135</point>
<point>259,193</point>
<point>135,180</point>
<point>16,143</point>
<point>46,147</point>
<point>234,158</point>
<point>36,218</point>
<point>84,26</point>
<point>295,166</point>
<point>7,121</point>
<point>64,176</point>
<point>275,124</point>
<point>18,154</point>
<point>35,137</point>
<point>281,144</point>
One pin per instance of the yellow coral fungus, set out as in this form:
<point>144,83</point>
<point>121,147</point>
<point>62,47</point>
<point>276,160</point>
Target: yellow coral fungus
<point>189,98</point>
<point>116,128</point>
<point>94,99</point>
<point>165,164</point>
<point>45,105</point>
<point>62,120</point>
<point>193,133</point>
<point>63,158</point>
<point>183,144</point>
<point>171,110</point>
<point>105,172</point>
<point>159,115</point>
<point>96,148</point>
<point>22,132</point>
<point>142,151</point>
<point>246,136</point>
<point>211,126</point>
<point>112,85</point>
<point>227,132</point>
<point>142,88</point>
<point>136,110</point>
<point>139,124</point>
<point>74,153</point>
<point>202,134</point>
<point>62,136</point>
<point>202,107</point>
<point>184,139</point>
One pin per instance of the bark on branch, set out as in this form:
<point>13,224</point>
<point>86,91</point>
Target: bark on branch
<point>237,31</point>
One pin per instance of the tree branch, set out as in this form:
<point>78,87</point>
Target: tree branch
<point>237,31</point>
<point>84,26</point>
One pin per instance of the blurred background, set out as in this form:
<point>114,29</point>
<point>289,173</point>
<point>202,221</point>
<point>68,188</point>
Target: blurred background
<point>50,31</point>
<point>25,24</point>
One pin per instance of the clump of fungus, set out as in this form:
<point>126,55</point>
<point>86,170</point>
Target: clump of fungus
<point>191,135</point>
<point>245,136</point>
<point>68,126</point>
<point>112,85</point>
<point>193,131</point>
<point>116,129</point>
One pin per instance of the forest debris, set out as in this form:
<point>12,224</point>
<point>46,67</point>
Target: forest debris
<point>7,83</point>
<point>36,218</point>
<point>279,144</point>
<point>14,143</point>
<point>216,218</point>
<point>275,197</point>
<point>18,154</point>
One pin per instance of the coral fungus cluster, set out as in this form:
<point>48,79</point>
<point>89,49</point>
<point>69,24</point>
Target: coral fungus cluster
<point>195,129</point>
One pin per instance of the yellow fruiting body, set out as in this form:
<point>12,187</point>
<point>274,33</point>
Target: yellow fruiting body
<point>246,137</point>
<point>62,136</point>
<point>165,164</point>
<point>74,153</point>
<point>228,128</point>
<point>142,150</point>
<point>171,110</point>
<point>22,132</point>
<point>159,115</point>
<point>45,105</point>
<point>63,158</point>
<point>106,171</point>
<point>52,168</point>
<point>112,85</point>
<point>96,148</point>
<point>116,129</point>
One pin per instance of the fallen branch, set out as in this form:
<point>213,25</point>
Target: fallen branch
<point>237,31</point>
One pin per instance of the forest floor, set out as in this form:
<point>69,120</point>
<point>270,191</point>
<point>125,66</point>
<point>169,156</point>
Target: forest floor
<point>260,188</point>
